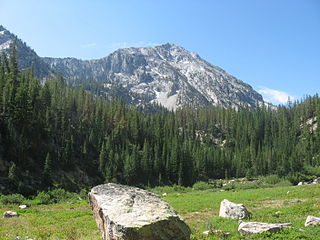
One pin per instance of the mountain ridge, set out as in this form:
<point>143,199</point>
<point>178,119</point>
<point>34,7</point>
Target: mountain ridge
<point>167,74</point>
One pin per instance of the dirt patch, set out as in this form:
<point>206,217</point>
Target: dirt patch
<point>197,218</point>
<point>277,203</point>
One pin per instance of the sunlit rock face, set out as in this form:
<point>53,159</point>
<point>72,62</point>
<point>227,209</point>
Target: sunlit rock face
<point>168,75</point>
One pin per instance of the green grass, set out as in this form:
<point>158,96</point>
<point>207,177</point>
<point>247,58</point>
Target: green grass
<point>275,205</point>
<point>198,208</point>
<point>56,221</point>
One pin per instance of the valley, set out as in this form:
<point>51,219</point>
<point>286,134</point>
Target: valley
<point>72,219</point>
<point>160,118</point>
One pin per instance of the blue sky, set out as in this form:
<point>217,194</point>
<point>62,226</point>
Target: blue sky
<point>274,45</point>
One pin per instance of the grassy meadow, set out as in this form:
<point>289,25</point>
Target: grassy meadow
<point>74,220</point>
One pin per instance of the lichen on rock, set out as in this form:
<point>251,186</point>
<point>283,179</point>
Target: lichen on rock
<point>129,213</point>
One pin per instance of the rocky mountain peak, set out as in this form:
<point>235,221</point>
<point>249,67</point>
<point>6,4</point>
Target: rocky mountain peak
<point>5,39</point>
<point>166,74</point>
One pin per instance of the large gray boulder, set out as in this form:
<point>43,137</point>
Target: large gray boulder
<point>232,210</point>
<point>128,213</point>
<point>247,228</point>
<point>312,221</point>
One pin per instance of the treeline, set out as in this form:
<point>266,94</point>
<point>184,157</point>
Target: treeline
<point>52,135</point>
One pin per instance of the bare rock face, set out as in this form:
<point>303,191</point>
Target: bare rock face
<point>232,210</point>
<point>312,221</point>
<point>9,214</point>
<point>128,213</point>
<point>167,74</point>
<point>247,228</point>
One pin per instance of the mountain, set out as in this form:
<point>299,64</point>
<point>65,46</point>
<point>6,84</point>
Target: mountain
<point>27,57</point>
<point>167,74</point>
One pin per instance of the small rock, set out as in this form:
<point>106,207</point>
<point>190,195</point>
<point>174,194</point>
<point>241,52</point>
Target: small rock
<point>23,206</point>
<point>221,233</point>
<point>312,221</point>
<point>314,181</point>
<point>247,228</point>
<point>164,194</point>
<point>9,214</point>
<point>296,201</point>
<point>277,213</point>
<point>231,210</point>
<point>217,232</point>
<point>206,232</point>
<point>24,238</point>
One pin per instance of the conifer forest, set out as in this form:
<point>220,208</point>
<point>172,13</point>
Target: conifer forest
<point>56,135</point>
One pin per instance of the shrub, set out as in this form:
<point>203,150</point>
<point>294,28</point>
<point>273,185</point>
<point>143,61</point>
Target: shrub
<point>312,170</point>
<point>55,196</point>
<point>12,199</point>
<point>201,186</point>
<point>299,177</point>
<point>229,187</point>
<point>250,185</point>
<point>83,194</point>
<point>284,183</point>
<point>43,198</point>
<point>272,179</point>
<point>169,189</point>
<point>60,195</point>
<point>180,189</point>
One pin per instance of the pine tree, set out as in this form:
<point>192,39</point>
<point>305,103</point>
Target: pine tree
<point>130,168</point>
<point>47,172</point>
<point>102,158</point>
<point>145,163</point>
<point>12,174</point>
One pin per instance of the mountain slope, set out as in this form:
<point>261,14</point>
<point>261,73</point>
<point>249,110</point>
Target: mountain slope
<point>167,74</point>
<point>26,56</point>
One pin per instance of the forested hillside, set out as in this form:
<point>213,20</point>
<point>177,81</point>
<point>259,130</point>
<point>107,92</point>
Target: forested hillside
<point>52,135</point>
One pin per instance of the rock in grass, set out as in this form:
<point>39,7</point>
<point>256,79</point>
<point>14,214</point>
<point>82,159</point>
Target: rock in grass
<point>23,206</point>
<point>312,221</point>
<point>218,232</point>
<point>247,228</point>
<point>128,213</point>
<point>231,210</point>
<point>9,214</point>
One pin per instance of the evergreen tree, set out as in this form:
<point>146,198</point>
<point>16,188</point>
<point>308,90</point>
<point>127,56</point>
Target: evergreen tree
<point>47,172</point>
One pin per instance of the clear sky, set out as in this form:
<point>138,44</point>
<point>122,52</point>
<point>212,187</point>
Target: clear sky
<point>274,45</point>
